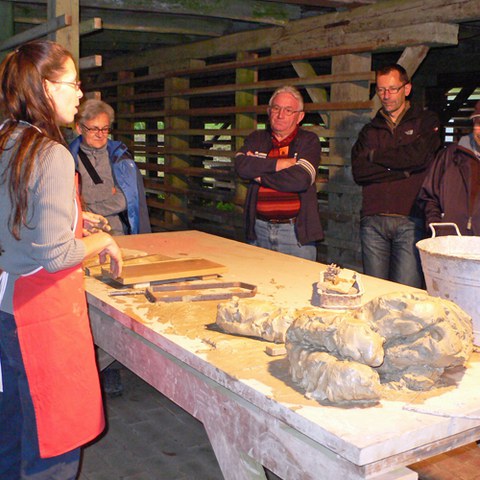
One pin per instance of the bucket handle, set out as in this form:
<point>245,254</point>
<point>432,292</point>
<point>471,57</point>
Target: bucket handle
<point>446,224</point>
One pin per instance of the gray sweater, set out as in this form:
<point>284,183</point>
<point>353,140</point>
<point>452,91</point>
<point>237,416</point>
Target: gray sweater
<point>49,242</point>
<point>106,198</point>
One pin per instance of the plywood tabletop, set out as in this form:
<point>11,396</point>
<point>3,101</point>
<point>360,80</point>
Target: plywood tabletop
<point>187,330</point>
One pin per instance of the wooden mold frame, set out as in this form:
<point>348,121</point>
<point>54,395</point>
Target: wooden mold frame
<point>196,291</point>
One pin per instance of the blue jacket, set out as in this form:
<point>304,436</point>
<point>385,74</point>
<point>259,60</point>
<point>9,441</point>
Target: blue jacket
<point>129,180</point>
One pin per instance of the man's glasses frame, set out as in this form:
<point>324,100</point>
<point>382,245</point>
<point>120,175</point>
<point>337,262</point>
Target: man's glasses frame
<point>389,90</point>
<point>288,111</point>
<point>96,130</point>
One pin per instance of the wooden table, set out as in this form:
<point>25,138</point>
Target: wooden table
<point>253,414</point>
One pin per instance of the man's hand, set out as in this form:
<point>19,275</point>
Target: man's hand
<point>283,163</point>
<point>93,223</point>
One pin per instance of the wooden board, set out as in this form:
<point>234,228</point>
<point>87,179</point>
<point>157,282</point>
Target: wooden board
<point>167,270</point>
<point>93,268</point>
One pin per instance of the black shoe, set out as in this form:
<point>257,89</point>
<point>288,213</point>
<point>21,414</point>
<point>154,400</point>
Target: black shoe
<point>112,382</point>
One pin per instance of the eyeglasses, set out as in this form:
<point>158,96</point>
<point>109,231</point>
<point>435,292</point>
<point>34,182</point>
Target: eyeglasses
<point>75,85</point>
<point>96,130</point>
<point>389,90</point>
<point>288,111</point>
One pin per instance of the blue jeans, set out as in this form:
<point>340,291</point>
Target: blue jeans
<point>281,237</point>
<point>19,454</point>
<point>388,248</point>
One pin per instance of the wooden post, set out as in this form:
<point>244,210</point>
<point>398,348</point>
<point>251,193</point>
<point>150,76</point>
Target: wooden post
<point>244,121</point>
<point>69,36</point>
<point>344,197</point>
<point>6,24</point>
<point>175,213</point>
<point>124,107</point>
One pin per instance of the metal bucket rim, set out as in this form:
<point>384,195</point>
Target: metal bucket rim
<point>427,246</point>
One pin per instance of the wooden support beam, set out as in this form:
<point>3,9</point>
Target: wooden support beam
<point>189,172</point>
<point>233,132</point>
<point>34,33</point>
<point>246,10</point>
<point>261,62</point>
<point>302,34</point>
<point>152,23</point>
<point>386,38</point>
<point>87,63</point>
<point>89,26</point>
<point>201,152</point>
<point>259,109</point>
<point>218,195</point>
<point>259,86</point>
<point>452,109</point>
<point>305,71</point>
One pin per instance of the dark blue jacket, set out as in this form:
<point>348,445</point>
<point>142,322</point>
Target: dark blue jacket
<point>129,180</point>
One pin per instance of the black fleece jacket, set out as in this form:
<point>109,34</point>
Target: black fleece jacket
<point>391,164</point>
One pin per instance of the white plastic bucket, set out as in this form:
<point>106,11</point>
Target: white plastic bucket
<point>451,266</point>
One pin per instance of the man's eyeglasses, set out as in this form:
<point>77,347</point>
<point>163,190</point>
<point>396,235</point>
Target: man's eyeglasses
<point>75,85</point>
<point>288,111</point>
<point>96,130</point>
<point>389,90</point>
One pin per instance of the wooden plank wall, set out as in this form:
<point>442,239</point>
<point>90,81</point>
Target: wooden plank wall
<point>184,124</point>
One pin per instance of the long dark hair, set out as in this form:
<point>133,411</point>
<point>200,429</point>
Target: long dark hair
<point>23,98</point>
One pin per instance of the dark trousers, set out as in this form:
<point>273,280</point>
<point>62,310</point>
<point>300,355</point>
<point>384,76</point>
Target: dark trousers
<point>389,248</point>
<point>19,453</point>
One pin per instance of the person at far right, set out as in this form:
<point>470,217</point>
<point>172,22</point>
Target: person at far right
<point>450,190</point>
<point>390,161</point>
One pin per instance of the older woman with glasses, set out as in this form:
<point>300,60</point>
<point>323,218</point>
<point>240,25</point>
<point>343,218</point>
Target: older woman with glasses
<point>111,184</point>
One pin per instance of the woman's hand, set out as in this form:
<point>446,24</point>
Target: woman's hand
<point>94,223</point>
<point>103,244</point>
<point>116,261</point>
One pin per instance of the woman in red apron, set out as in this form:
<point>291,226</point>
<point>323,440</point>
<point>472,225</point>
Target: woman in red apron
<point>50,401</point>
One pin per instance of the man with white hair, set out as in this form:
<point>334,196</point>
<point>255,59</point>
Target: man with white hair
<point>281,209</point>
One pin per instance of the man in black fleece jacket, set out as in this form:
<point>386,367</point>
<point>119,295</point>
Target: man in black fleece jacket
<point>390,160</point>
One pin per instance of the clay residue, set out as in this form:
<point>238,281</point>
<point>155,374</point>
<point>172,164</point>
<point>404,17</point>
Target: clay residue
<point>254,318</point>
<point>395,341</point>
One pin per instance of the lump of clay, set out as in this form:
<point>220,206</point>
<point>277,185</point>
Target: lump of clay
<point>398,340</point>
<point>331,355</point>
<point>324,377</point>
<point>339,333</point>
<point>254,318</point>
<point>424,336</point>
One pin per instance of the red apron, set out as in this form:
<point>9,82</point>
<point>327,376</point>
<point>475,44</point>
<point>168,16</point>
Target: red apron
<point>54,333</point>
